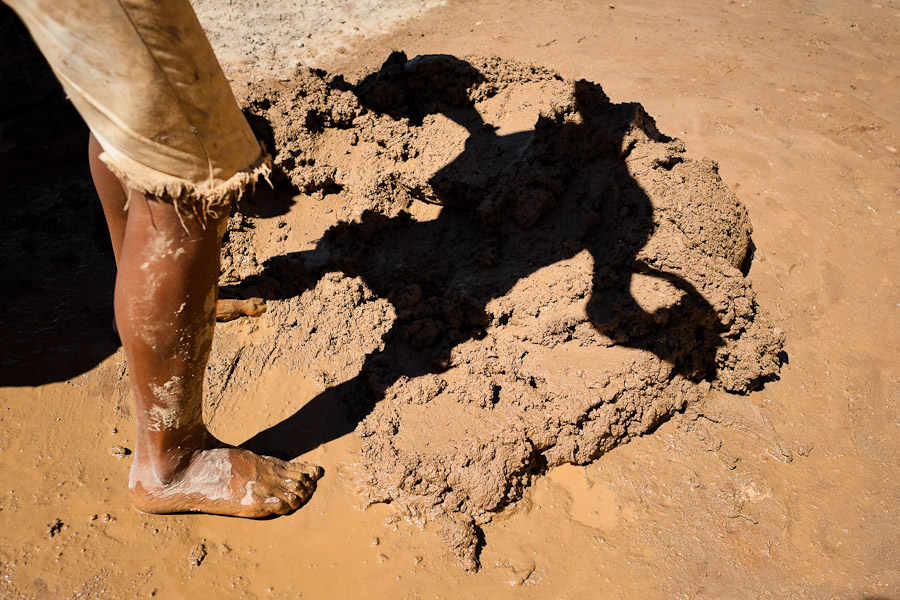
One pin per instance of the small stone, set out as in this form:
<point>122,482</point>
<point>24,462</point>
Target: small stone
<point>197,555</point>
<point>55,527</point>
<point>119,451</point>
<point>375,541</point>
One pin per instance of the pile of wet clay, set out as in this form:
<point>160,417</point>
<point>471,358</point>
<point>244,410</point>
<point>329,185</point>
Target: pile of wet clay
<point>519,274</point>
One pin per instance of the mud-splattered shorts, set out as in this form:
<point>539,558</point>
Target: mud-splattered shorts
<point>145,79</point>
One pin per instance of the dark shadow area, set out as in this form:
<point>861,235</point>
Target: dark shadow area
<point>503,219</point>
<point>268,201</point>
<point>274,197</point>
<point>58,268</point>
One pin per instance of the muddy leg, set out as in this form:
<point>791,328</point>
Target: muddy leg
<point>114,198</point>
<point>165,306</point>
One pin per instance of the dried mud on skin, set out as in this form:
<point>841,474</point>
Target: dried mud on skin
<point>582,282</point>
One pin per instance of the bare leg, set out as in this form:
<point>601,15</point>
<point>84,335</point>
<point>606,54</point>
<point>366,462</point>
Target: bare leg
<point>165,307</point>
<point>114,197</point>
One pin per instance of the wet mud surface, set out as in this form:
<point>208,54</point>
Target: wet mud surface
<point>786,491</point>
<point>521,274</point>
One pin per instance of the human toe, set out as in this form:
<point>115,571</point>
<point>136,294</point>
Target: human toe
<point>294,501</point>
<point>314,472</point>
<point>277,505</point>
<point>301,470</point>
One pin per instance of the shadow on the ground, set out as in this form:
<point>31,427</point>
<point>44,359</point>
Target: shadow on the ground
<point>57,269</point>
<point>573,193</point>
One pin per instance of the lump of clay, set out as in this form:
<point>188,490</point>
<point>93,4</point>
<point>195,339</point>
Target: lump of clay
<point>583,281</point>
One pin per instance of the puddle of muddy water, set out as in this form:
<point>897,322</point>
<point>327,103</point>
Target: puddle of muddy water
<point>593,503</point>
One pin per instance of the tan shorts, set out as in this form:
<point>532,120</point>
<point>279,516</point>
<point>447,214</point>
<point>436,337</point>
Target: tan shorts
<point>145,79</point>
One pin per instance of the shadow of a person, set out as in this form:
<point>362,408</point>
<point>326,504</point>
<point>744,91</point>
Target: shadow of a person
<point>57,266</point>
<point>511,205</point>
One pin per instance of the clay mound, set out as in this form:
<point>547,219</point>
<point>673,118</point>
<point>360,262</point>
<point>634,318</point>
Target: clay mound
<point>581,282</point>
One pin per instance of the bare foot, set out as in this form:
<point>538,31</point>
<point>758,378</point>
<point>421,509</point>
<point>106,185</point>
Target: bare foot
<point>229,310</point>
<point>226,481</point>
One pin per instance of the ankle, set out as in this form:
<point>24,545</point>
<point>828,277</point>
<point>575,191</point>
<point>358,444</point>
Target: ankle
<point>164,456</point>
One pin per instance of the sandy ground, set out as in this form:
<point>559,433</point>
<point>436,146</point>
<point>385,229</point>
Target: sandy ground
<point>795,100</point>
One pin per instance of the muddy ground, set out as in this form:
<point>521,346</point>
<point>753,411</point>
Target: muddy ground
<point>674,227</point>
